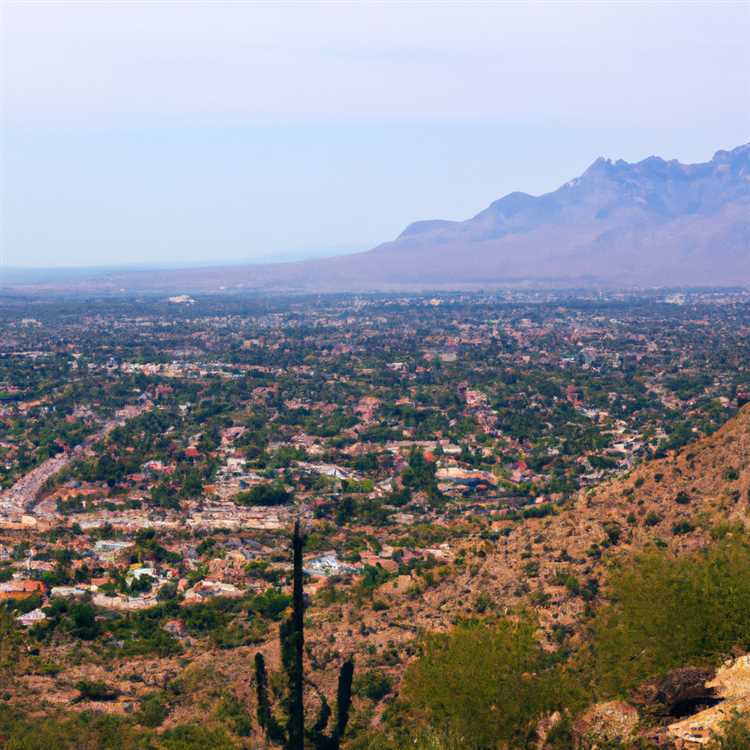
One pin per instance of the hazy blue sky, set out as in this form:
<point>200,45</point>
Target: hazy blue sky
<point>162,132</point>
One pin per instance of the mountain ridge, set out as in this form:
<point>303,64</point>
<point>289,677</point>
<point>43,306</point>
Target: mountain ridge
<point>604,170</point>
<point>651,223</point>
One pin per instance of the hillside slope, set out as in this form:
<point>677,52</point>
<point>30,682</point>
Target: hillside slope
<point>523,568</point>
<point>678,501</point>
<point>683,501</point>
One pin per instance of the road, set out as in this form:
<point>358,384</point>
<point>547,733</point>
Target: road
<point>22,496</point>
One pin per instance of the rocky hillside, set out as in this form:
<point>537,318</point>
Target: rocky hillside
<point>682,502</point>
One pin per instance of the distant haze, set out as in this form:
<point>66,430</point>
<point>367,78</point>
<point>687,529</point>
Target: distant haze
<point>182,133</point>
<point>652,223</point>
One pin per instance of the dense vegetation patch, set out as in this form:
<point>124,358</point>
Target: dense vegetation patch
<point>483,684</point>
<point>667,611</point>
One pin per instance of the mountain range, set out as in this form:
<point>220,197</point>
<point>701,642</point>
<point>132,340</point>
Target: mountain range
<point>649,223</point>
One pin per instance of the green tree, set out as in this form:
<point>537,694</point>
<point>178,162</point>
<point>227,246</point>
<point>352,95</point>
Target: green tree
<point>264,494</point>
<point>11,642</point>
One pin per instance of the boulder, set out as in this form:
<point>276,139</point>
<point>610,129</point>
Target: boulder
<point>544,727</point>
<point>731,686</point>
<point>680,692</point>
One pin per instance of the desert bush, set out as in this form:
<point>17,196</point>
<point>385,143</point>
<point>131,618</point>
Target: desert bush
<point>374,685</point>
<point>667,611</point>
<point>481,685</point>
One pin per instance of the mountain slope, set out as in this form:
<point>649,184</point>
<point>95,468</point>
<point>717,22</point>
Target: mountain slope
<point>681,501</point>
<point>655,222</point>
<point>652,223</point>
<point>684,502</point>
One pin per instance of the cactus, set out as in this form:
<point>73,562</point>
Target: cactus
<point>292,733</point>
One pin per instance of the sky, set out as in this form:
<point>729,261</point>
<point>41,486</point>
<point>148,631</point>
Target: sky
<point>139,132</point>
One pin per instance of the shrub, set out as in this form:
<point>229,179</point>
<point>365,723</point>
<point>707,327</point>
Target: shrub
<point>682,527</point>
<point>93,690</point>
<point>571,583</point>
<point>85,730</point>
<point>82,621</point>
<point>483,603</point>
<point>264,494</point>
<point>270,604</point>
<point>538,511</point>
<point>613,530</point>
<point>531,568</point>
<point>482,684</point>
<point>374,685</point>
<point>234,712</point>
<point>153,711</point>
<point>195,737</point>
<point>702,613</point>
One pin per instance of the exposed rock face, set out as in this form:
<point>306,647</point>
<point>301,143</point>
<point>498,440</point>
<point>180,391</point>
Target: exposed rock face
<point>733,679</point>
<point>681,692</point>
<point>732,686</point>
<point>604,723</point>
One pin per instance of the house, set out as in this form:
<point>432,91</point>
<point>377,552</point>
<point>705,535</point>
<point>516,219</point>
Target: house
<point>67,591</point>
<point>367,407</point>
<point>39,566</point>
<point>122,603</point>
<point>230,434</point>
<point>20,589</point>
<point>374,560</point>
<point>462,476</point>
<point>108,549</point>
<point>235,464</point>
<point>31,618</point>
<point>328,470</point>
<point>208,589</point>
<point>326,565</point>
<point>574,394</point>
